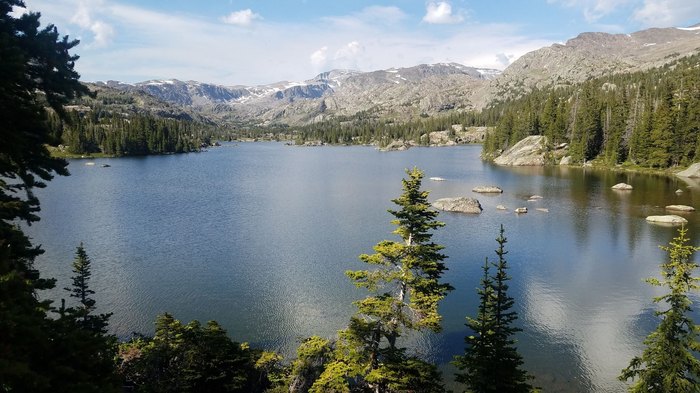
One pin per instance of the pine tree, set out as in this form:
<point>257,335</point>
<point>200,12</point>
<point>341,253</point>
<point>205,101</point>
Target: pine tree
<point>475,364</point>
<point>405,290</point>
<point>491,362</point>
<point>662,131</point>
<point>668,363</point>
<point>37,69</point>
<point>80,290</point>
<point>84,353</point>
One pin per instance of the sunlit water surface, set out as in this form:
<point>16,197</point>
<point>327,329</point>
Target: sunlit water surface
<point>258,236</point>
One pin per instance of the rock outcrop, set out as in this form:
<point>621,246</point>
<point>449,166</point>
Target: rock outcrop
<point>668,219</point>
<point>397,146</point>
<point>459,205</point>
<point>692,171</point>
<point>528,152</point>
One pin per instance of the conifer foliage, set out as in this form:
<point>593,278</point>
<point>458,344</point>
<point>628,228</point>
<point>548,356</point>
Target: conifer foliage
<point>405,289</point>
<point>668,363</point>
<point>84,353</point>
<point>491,362</point>
<point>36,70</point>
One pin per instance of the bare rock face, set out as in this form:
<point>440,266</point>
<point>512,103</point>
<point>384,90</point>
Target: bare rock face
<point>459,205</point>
<point>692,171</point>
<point>590,55</point>
<point>668,219</point>
<point>528,152</point>
<point>622,186</point>
<point>487,189</point>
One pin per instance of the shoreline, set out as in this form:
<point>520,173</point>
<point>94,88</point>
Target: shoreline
<point>619,168</point>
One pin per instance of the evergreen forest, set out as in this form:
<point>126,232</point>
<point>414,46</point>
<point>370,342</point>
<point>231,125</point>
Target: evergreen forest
<point>648,118</point>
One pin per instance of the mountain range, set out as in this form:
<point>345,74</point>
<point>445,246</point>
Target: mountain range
<point>423,90</point>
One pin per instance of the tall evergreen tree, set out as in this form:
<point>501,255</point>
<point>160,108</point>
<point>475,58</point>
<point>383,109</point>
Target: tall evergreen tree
<point>477,372</point>
<point>662,130</point>
<point>668,363</point>
<point>80,290</point>
<point>37,70</point>
<point>405,290</point>
<point>84,353</point>
<point>491,362</point>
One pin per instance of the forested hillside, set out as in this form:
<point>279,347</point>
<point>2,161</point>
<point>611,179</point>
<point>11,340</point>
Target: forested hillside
<point>649,118</point>
<point>368,128</point>
<point>115,123</point>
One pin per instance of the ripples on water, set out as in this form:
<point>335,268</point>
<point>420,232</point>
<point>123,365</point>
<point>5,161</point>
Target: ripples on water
<point>258,236</point>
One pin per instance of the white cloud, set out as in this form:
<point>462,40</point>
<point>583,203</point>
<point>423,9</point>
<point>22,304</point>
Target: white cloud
<point>102,32</point>
<point>149,44</point>
<point>594,10</point>
<point>666,13</point>
<point>503,60</point>
<point>241,18</point>
<point>348,56</point>
<point>373,16</point>
<point>441,13</point>
<point>318,57</point>
<point>348,51</point>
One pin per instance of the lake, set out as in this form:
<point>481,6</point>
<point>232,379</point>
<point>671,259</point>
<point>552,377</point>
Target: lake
<point>258,236</point>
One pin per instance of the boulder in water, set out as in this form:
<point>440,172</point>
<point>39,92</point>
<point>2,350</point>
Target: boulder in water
<point>487,189</point>
<point>680,208</point>
<point>459,205</point>
<point>622,186</point>
<point>668,219</point>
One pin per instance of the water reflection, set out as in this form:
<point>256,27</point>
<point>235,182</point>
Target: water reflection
<point>259,236</point>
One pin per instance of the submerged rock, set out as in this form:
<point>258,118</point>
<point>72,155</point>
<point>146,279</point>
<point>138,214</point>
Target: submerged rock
<point>622,186</point>
<point>668,219</point>
<point>501,207</point>
<point>487,189</point>
<point>459,205</point>
<point>437,178</point>
<point>680,208</point>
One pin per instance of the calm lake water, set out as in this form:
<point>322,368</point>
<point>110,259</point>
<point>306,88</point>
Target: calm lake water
<point>258,236</point>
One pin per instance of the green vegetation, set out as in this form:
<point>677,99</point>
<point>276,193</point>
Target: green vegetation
<point>368,128</point>
<point>491,363</point>
<point>405,290</point>
<point>192,358</point>
<point>669,362</point>
<point>649,118</point>
<point>37,70</point>
<point>99,131</point>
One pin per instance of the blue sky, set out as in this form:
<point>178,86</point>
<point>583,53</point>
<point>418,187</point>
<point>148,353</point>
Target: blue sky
<point>245,42</point>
